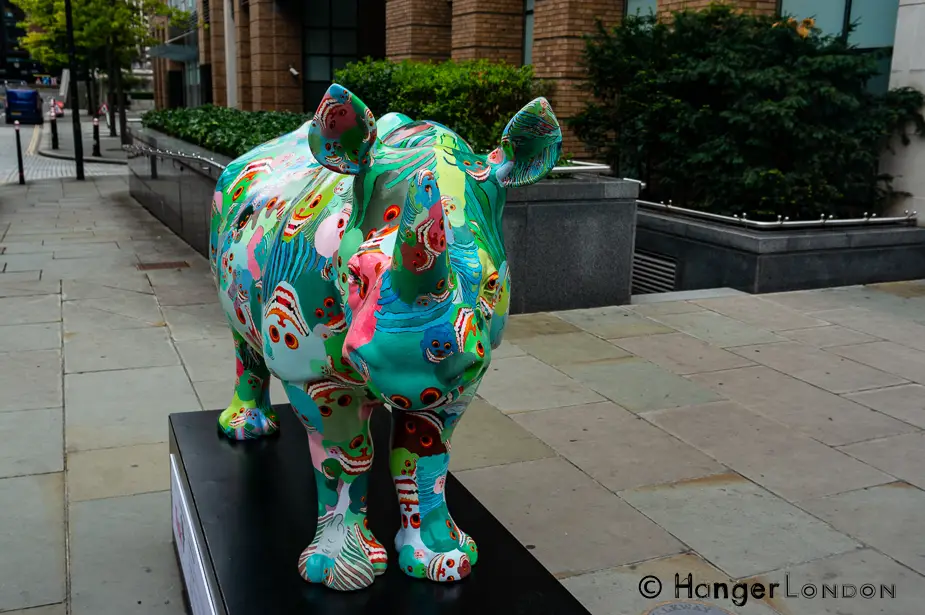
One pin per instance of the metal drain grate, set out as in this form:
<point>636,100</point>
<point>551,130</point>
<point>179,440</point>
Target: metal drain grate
<point>653,273</point>
<point>166,265</point>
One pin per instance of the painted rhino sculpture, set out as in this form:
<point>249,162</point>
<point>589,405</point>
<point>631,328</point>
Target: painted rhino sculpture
<point>363,263</point>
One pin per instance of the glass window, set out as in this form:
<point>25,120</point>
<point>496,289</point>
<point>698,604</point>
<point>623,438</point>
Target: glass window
<point>317,41</point>
<point>338,62</point>
<point>344,13</point>
<point>829,14</point>
<point>344,42</point>
<point>319,68</point>
<point>642,7</point>
<point>317,13</point>
<point>528,31</point>
<point>875,22</point>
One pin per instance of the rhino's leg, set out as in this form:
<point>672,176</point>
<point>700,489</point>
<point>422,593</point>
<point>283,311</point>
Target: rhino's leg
<point>250,414</point>
<point>344,554</point>
<point>429,543</point>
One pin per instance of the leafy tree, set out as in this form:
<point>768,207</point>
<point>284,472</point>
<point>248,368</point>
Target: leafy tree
<point>728,112</point>
<point>108,35</point>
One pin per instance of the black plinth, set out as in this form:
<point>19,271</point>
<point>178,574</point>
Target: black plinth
<point>252,509</point>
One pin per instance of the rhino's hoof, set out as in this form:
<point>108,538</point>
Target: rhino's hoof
<point>248,423</point>
<point>348,567</point>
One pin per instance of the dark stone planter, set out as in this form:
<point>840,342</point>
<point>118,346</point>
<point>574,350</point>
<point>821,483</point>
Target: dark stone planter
<point>708,254</point>
<point>569,241</point>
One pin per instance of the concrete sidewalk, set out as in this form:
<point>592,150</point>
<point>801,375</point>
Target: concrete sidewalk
<point>721,435</point>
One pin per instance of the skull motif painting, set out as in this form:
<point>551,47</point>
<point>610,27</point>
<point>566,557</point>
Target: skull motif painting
<point>362,263</point>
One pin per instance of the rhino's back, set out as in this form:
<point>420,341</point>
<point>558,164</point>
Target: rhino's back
<point>276,220</point>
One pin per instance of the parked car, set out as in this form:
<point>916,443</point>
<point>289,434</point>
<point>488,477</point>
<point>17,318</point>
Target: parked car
<point>24,105</point>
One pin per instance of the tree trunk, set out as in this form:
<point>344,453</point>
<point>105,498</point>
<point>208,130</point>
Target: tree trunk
<point>110,91</point>
<point>120,94</point>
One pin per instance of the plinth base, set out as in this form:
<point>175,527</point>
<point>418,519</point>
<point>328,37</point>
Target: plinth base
<point>243,512</point>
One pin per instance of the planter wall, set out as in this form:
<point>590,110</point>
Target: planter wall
<point>569,241</point>
<point>706,254</point>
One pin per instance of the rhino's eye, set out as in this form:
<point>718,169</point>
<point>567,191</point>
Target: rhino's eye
<point>435,344</point>
<point>447,345</point>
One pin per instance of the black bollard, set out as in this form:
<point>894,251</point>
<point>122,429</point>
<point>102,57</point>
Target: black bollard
<point>96,137</point>
<point>54,128</point>
<point>22,174</point>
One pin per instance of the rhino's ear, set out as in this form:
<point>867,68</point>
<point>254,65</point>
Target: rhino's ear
<point>390,121</point>
<point>530,146</point>
<point>343,132</point>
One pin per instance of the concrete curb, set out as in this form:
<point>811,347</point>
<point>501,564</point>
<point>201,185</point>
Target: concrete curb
<point>49,153</point>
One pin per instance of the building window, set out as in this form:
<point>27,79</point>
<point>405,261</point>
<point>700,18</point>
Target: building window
<point>528,31</point>
<point>640,7</point>
<point>874,26</point>
<point>329,42</point>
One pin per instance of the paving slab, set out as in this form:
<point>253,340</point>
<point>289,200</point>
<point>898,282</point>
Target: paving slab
<point>887,518</point>
<point>196,322</point>
<point>17,263</point>
<point>216,394</point>
<point>530,325</point>
<point>884,326</point>
<point>819,367</point>
<point>668,307</point>
<point>838,574</point>
<point>177,295</point>
<point>681,353</point>
<point>121,471</point>
<point>120,349</point>
<point>73,290</point>
<point>138,577</point>
<point>613,322</point>
<point>90,250</point>
<point>905,402</point>
<point>27,285</point>
<point>134,411</point>
<point>754,310</point>
<point>486,437</point>
<point>828,335</point>
<point>33,442</point>
<point>506,350</point>
<point>638,385</point>
<point>519,384</point>
<point>208,359</point>
<point>617,590</point>
<point>717,329</point>
<point>717,515</point>
<point>30,310</point>
<point>773,456</point>
<point>900,456</point>
<point>615,447</point>
<point>33,524</point>
<point>889,357</point>
<point>20,338</point>
<point>567,348</point>
<point>573,524</point>
<point>30,380</point>
<point>827,417</point>
<point>51,609</point>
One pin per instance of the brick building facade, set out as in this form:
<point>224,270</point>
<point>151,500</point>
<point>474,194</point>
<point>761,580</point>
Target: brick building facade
<point>281,54</point>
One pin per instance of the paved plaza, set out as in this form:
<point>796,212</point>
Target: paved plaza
<point>717,434</point>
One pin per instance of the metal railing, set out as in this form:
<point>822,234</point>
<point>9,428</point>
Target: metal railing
<point>908,217</point>
<point>576,167</point>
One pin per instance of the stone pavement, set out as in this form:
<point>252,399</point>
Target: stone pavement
<point>717,434</point>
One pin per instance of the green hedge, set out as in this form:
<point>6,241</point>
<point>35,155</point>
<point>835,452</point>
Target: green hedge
<point>476,99</point>
<point>730,113</point>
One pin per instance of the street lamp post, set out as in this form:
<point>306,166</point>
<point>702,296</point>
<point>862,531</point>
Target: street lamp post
<point>75,103</point>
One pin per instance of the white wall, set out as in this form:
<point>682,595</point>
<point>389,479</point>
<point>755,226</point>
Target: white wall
<point>908,69</point>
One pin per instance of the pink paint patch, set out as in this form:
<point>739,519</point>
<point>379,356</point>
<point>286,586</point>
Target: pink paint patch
<point>316,449</point>
<point>238,367</point>
<point>328,235</point>
<point>252,265</point>
<point>440,484</point>
<point>217,202</point>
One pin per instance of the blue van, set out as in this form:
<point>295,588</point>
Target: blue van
<point>24,105</point>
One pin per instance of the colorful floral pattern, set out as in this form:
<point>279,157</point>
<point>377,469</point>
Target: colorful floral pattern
<point>362,263</point>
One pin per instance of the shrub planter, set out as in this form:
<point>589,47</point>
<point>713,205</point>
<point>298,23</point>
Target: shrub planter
<point>674,252</point>
<point>569,241</point>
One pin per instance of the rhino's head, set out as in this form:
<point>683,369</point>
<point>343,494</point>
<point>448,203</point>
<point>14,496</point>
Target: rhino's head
<point>421,265</point>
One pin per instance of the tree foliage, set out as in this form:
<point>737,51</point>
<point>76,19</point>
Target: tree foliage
<point>730,113</point>
<point>120,27</point>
